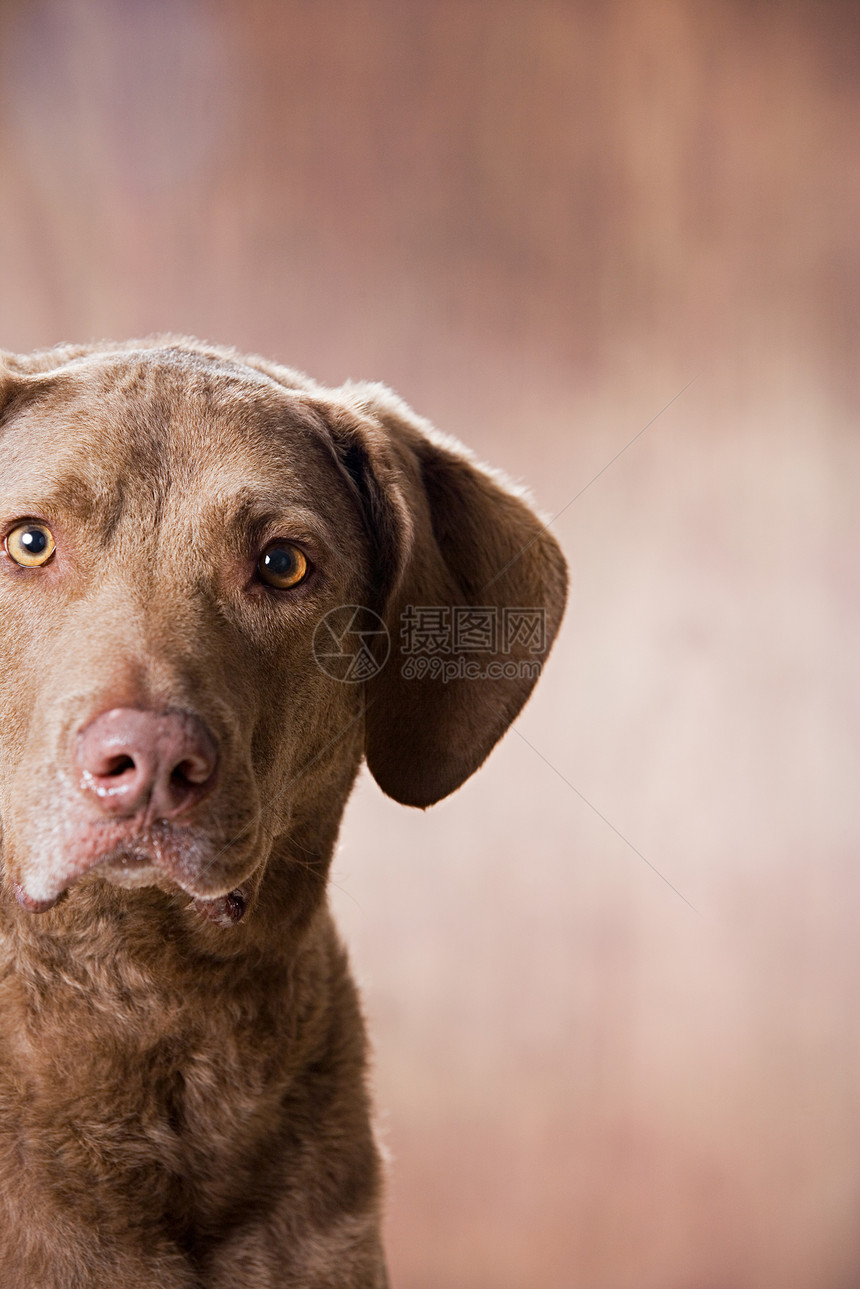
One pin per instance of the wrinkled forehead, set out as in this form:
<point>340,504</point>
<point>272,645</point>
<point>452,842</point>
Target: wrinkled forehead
<point>112,438</point>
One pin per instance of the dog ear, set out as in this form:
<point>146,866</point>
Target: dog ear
<point>473,589</point>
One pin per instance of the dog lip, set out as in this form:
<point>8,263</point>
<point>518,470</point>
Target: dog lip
<point>151,858</point>
<point>224,910</point>
<point>31,904</point>
<point>129,871</point>
<point>173,857</point>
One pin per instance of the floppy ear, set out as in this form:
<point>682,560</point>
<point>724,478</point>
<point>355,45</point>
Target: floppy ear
<point>474,590</point>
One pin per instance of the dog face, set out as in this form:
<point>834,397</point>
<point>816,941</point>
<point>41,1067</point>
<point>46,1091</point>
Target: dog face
<point>177,523</point>
<point>168,495</point>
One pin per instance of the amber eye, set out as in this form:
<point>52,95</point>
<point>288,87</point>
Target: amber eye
<point>283,565</point>
<point>30,545</point>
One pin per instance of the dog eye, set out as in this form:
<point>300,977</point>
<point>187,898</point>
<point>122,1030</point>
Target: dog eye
<point>30,545</point>
<point>282,565</point>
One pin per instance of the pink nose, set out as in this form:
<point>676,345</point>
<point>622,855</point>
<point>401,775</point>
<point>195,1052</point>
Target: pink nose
<point>132,760</point>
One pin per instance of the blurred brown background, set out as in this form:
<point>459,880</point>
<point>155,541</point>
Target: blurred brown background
<point>539,222</point>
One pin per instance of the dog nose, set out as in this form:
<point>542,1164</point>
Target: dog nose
<point>160,761</point>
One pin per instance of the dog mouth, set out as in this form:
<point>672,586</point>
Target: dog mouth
<point>160,855</point>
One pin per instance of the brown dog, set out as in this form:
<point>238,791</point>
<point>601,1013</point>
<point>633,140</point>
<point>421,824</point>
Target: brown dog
<point>186,702</point>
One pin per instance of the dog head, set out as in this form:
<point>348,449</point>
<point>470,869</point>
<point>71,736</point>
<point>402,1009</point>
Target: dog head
<point>221,585</point>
